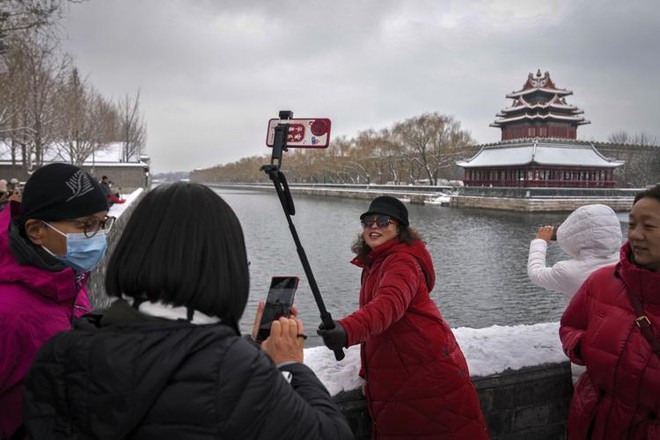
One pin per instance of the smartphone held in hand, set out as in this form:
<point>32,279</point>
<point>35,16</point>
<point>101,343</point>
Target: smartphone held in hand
<point>554,233</point>
<point>278,303</point>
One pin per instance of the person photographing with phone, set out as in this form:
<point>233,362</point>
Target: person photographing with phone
<point>167,360</point>
<point>417,382</point>
<point>591,235</point>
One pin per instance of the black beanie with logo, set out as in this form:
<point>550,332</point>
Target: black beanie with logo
<point>60,191</point>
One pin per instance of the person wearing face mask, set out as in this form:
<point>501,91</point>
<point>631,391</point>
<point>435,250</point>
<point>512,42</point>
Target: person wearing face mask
<point>417,383</point>
<point>48,244</point>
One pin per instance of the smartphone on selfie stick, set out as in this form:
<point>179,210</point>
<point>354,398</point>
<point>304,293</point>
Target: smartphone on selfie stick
<point>318,134</point>
<point>278,303</point>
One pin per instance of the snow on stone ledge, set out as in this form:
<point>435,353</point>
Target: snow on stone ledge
<point>117,209</point>
<point>488,351</point>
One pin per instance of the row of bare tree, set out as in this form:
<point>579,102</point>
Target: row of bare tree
<point>641,154</point>
<point>421,149</point>
<point>46,108</point>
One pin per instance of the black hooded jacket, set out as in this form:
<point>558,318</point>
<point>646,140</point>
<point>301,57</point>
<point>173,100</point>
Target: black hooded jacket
<point>136,377</point>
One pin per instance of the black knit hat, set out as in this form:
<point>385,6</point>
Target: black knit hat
<point>61,191</point>
<point>387,205</point>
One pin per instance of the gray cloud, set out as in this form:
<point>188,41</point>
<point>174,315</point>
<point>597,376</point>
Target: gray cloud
<point>212,73</point>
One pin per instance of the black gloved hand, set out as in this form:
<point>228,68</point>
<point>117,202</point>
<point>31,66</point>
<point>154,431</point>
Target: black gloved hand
<point>334,338</point>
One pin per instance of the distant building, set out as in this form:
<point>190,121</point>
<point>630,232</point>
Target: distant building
<point>539,146</point>
<point>126,175</point>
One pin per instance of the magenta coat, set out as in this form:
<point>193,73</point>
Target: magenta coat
<point>417,381</point>
<point>35,304</point>
<point>619,395</point>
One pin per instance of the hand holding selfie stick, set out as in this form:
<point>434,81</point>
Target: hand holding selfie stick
<point>282,188</point>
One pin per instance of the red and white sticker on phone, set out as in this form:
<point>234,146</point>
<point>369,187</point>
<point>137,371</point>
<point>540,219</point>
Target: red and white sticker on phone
<point>303,133</point>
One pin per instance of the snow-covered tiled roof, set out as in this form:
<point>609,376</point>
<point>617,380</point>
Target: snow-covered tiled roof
<point>109,156</point>
<point>540,106</point>
<point>540,152</point>
<point>558,92</point>
<point>539,93</point>
<point>573,118</point>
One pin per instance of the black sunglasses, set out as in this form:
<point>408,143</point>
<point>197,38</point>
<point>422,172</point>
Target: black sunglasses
<point>381,220</point>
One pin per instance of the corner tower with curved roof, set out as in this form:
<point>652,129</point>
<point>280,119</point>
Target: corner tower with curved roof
<point>539,109</point>
<point>539,146</point>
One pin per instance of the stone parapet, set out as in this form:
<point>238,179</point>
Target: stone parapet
<point>537,205</point>
<point>530,403</point>
<point>96,281</point>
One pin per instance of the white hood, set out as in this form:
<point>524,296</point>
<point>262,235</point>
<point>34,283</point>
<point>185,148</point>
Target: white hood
<point>592,230</point>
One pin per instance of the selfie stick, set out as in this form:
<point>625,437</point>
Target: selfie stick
<point>282,188</point>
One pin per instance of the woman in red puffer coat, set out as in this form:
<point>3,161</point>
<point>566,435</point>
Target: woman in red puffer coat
<point>417,381</point>
<point>619,395</point>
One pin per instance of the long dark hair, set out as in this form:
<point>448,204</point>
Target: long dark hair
<point>183,245</point>
<point>406,234</point>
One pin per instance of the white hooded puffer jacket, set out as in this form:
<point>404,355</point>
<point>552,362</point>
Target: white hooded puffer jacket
<point>591,235</point>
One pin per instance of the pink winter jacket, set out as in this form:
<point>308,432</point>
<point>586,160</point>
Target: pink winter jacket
<point>35,304</point>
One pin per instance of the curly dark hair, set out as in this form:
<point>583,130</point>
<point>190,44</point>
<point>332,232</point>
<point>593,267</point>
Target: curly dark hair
<point>406,235</point>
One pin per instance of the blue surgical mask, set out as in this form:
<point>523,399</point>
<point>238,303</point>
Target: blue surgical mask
<point>82,253</point>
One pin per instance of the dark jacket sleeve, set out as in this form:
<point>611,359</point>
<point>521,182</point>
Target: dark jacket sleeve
<point>268,407</point>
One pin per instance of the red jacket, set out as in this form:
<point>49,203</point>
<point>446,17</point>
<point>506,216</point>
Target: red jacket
<point>417,380</point>
<point>619,395</point>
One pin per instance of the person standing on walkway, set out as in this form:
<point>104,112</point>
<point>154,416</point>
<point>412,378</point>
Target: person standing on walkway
<point>166,361</point>
<point>48,244</point>
<point>105,185</point>
<point>612,327</point>
<point>417,380</point>
<point>591,236</point>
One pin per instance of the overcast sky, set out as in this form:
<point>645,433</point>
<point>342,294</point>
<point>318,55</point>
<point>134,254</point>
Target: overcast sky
<point>211,73</point>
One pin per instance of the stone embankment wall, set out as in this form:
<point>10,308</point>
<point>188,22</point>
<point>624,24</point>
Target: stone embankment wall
<point>530,403</point>
<point>96,281</point>
<point>536,205</point>
<point>542,199</point>
<point>507,199</point>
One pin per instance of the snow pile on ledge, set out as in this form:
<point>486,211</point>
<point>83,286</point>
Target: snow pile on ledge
<point>488,351</point>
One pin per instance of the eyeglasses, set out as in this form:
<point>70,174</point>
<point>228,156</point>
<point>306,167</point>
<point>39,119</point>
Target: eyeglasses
<point>381,221</point>
<point>93,225</point>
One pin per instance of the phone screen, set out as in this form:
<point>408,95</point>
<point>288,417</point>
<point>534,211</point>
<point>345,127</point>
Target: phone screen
<point>278,303</point>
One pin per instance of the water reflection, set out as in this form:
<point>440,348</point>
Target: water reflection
<point>480,258</point>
